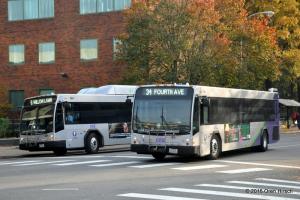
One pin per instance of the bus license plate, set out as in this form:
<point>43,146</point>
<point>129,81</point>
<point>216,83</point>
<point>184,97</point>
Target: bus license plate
<point>41,145</point>
<point>173,151</point>
<point>160,140</point>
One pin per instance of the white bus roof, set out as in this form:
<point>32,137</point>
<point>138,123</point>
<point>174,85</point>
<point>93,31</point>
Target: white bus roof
<point>110,90</point>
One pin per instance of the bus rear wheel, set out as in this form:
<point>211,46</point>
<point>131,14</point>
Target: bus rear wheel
<point>215,147</point>
<point>92,143</point>
<point>158,156</point>
<point>263,142</point>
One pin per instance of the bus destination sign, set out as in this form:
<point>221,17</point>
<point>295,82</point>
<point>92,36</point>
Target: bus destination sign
<point>165,91</point>
<point>41,101</point>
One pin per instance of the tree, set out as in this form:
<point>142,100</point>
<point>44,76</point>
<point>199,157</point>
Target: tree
<point>287,24</point>
<point>197,41</point>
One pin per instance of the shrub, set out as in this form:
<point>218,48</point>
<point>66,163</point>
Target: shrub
<point>4,127</point>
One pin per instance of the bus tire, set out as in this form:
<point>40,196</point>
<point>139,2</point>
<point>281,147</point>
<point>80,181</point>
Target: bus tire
<point>60,152</point>
<point>92,143</point>
<point>263,142</point>
<point>215,147</point>
<point>158,156</point>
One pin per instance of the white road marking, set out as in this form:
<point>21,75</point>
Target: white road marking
<point>153,196</point>
<point>154,165</point>
<point>83,162</point>
<point>60,189</point>
<point>138,157</point>
<point>199,167</point>
<point>258,164</point>
<point>19,162</point>
<point>240,171</point>
<point>287,146</point>
<point>235,187</point>
<point>264,184</point>
<point>115,164</point>
<point>278,180</point>
<point>42,163</point>
<point>228,194</point>
<point>224,186</point>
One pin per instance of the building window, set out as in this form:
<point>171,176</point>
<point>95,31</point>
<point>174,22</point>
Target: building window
<point>99,6</point>
<point>88,49</point>
<point>16,54</point>
<point>16,98</point>
<point>46,91</point>
<point>122,4</point>
<point>30,9</point>
<point>116,46</point>
<point>104,6</point>
<point>47,52</point>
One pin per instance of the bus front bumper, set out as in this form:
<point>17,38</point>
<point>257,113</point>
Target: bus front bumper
<point>171,150</point>
<point>43,146</point>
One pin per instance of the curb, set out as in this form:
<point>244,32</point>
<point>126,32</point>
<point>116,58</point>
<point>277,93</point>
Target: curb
<point>9,142</point>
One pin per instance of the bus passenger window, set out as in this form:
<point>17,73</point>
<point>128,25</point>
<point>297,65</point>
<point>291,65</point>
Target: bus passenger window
<point>204,114</point>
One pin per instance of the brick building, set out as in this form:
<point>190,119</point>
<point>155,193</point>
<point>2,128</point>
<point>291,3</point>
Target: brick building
<point>58,46</point>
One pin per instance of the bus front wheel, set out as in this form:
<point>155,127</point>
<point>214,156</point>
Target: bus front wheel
<point>215,147</point>
<point>159,156</point>
<point>92,143</point>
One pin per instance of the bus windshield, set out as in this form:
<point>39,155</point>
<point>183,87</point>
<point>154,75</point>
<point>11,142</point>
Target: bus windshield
<point>38,118</point>
<point>162,113</point>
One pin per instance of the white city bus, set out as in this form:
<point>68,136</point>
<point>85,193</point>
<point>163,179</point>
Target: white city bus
<point>200,120</point>
<point>76,121</point>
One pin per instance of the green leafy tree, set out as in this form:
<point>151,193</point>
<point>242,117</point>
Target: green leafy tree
<point>199,42</point>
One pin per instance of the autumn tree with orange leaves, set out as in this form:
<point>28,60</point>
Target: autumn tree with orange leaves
<point>198,41</point>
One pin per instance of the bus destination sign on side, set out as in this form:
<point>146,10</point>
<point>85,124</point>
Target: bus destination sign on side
<point>40,101</point>
<point>165,91</point>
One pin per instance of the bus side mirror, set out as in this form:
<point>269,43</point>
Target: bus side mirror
<point>205,101</point>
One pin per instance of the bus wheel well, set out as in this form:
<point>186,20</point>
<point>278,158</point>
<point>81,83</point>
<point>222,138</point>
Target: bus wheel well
<point>265,131</point>
<point>100,137</point>
<point>218,135</point>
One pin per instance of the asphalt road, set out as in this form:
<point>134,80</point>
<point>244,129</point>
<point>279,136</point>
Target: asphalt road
<point>274,174</point>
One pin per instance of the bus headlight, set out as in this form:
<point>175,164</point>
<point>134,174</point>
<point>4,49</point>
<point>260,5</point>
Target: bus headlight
<point>187,141</point>
<point>135,140</point>
<point>51,137</point>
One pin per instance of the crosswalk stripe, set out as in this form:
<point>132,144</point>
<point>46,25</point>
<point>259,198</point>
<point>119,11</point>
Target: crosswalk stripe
<point>224,186</point>
<point>19,162</point>
<point>264,184</point>
<point>258,164</point>
<point>228,194</point>
<point>278,180</point>
<point>83,162</point>
<point>235,187</point>
<point>42,163</point>
<point>240,171</point>
<point>199,167</point>
<point>154,165</point>
<point>138,157</point>
<point>115,164</point>
<point>153,196</point>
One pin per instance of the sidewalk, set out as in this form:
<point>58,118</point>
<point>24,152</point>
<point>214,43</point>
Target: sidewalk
<point>290,130</point>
